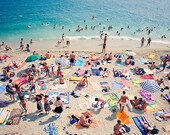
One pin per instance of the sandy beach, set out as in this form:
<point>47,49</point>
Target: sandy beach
<point>106,119</point>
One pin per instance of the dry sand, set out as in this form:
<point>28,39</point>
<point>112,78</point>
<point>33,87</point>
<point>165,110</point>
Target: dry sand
<point>33,124</point>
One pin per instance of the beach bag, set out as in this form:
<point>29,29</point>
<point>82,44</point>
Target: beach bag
<point>132,62</point>
<point>127,129</point>
<point>154,131</point>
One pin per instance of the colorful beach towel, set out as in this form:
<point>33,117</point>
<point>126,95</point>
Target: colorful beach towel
<point>136,83</point>
<point>52,129</point>
<point>59,86</point>
<point>79,63</point>
<point>2,88</point>
<point>111,99</point>
<point>65,97</point>
<point>125,84</point>
<point>95,72</point>
<point>104,84</point>
<point>147,96</point>
<point>138,124</point>
<point>119,64</point>
<point>148,76</point>
<point>151,107</point>
<point>22,80</point>
<point>148,71</point>
<point>123,117</point>
<point>4,116</point>
<point>151,56</point>
<point>116,85</point>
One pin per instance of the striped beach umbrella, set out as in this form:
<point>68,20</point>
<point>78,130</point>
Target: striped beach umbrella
<point>150,86</point>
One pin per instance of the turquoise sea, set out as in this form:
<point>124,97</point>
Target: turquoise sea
<point>16,15</point>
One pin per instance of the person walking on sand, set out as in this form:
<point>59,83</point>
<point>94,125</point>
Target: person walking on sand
<point>62,37</point>
<point>142,41</point>
<point>149,42</point>
<point>104,44</point>
<point>59,107</point>
<point>123,101</point>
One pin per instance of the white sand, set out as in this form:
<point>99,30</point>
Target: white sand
<point>33,124</point>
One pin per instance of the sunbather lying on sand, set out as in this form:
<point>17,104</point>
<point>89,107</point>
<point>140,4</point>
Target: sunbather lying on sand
<point>162,116</point>
<point>138,103</point>
<point>83,82</point>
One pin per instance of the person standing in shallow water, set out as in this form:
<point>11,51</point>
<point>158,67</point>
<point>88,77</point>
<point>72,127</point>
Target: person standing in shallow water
<point>104,44</point>
<point>149,42</point>
<point>142,41</point>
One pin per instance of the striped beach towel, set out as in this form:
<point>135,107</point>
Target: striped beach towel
<point>150,86</point>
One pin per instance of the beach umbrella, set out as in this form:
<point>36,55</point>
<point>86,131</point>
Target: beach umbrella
<point>63,61</point>
<point>130,53</point>
<point>32,58</point>
<point>150,85</point>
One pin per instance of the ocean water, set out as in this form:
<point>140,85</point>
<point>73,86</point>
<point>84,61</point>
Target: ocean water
<point>16,15</point>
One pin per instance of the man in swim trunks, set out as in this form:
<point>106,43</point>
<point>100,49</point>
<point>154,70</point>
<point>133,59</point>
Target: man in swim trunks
<point>104,44</point>
<point>117,128</point>
<point>122,101</point>
<point>100,100</point>
<point>72,59</point>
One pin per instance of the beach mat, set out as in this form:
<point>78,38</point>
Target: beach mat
<point>65,97</point>
<point>151,56</point>
<point>119,64</point>
<point>104,84</point>
<point>116,85</point>
<point>59,86</point>
<point>150,77</point>
<point>95,72</point>
<point>139,126</point>
<point>146,95</point>
<point>123,117</point>
<point>136,83</point>
<point>4,115</point>
<point>79,63</point>
<point>2,88</point>
<point>111,99</point>
<point>22,80</point>
<point>77,125</point>
<point>152,107</point>
<point>14,117</point>
<point>53,129</point>
<point>72,78</point>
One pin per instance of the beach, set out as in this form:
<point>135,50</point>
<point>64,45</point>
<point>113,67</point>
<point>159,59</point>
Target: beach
<point>106,119</point>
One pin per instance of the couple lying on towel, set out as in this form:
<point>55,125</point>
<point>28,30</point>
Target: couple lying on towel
<point>123,74</point>
<point>80,72</point>
<point>138,103</point>
<point>85,119</point>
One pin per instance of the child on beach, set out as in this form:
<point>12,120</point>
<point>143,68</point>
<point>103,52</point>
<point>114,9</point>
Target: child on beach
<point>47,107</point>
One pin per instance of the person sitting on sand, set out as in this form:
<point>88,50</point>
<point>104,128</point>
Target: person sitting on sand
<point>147,127</point>
<point>105,73</point>
<point>152,66</point>
<point>61,79</point>
<point>127,62</point>
<point>160,81</point>
<point>101,101</point>
<point>119,60</point>
<point>123,101</point>
<point>138,103</point>
<point>110,57</point>
<point>48,55</point>
<point>117,130</point>
<point>83,82</point>
<point>7,48</point>
<point>35,52</point>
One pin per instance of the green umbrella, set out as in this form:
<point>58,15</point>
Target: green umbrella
<point>32,58</point>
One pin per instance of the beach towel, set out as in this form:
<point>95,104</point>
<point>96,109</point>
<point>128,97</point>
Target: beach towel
<point>167,97</point>
<point>138,124</point>
<point>123,117</point>
<point>14,117</point>
<point>145,95</point>
<point>125,84</point>
<point>104,84</point>
<point>150,86</point>
<point>119,64</point>
<point>79,72</point>
<point>136,83</point>
<point>142,61</point>
<point>95,72</point>
<point>4,115</point>
<point>111,99</point>
<point>116,85</point>
<point>65,97</point>
<point>93,123</point>
<point>151,107</point>
<point>2,88</point>
<point>59,86</point>
<point>72,78</point>
<point>148,71</point>
<point>148,76</point>
<point>151,56</point>
<point>20,65</point>
<point>53,129</point>
<point>79,63</point>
